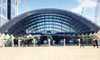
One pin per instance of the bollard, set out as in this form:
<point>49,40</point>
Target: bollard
<point>79,43</point>
<point>34,42</point>
<point>64,43</point>
<point>18,43</point>
<point>12,43</point>
<point>49,42</point>
<point>3,43</point>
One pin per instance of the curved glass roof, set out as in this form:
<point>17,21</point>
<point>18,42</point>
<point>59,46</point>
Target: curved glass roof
<point>49,21</point>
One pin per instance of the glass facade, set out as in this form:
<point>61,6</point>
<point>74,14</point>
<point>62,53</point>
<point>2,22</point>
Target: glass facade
<point>13,8</point>
<point>49,23</point>
<point>4,10</point>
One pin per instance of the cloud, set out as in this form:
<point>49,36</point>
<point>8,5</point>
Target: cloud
<point>84,3</point>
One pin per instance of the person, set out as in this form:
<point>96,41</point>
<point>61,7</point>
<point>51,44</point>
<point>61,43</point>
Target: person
<point>77,42</point>
<point>24,42</point>
<point>15,42</point>
<point>51,42</point>
<point>81,42</point>
<point>39,42</point>
<point>96,42</point>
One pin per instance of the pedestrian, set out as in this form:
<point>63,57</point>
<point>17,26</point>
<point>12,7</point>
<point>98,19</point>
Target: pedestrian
<point>81,43</point>
<point>51,42</point>
<point>15,42</point>
<point>39,42</point>
<point>77,42</point>
<point>96,42</point>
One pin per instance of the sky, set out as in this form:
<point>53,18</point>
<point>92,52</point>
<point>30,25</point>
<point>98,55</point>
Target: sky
<point>70,5</point>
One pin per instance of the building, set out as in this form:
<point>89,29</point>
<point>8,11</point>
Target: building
<point>56,24</point>
<point>49,21</point>
<point>7,10</point>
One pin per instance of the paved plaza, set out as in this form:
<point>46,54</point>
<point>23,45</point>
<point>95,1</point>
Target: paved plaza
<point>50,53</point>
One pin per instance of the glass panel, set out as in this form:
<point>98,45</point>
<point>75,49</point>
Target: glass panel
<point>13,12</point>
<point>50,22</point>
<point>4,12</point>
<point>0,10</point>
<point>0,2</point>
<point>13,8</point>
<point>4,8</point>
<point>2,21</point>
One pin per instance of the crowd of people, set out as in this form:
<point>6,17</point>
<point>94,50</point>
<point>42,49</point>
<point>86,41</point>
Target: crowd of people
<point>23,42</point>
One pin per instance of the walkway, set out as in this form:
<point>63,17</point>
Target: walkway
<point>49,53</point>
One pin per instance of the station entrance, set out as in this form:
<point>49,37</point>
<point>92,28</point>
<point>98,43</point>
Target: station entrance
<point>69,39</point>
<point>43,40</point>
<point>56,40</point>
<point>52,23</point>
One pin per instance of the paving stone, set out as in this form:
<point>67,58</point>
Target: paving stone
<point>50,53</point>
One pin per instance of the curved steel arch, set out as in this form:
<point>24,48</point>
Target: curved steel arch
<point>40,19</point>
<point>17,21</point>
<point>54,24</point>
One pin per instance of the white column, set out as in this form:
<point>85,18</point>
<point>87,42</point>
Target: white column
<point>64,43</point>
<point>12,43</point>
<point>3,43</point>
<point>18,43</point>
<point>79,42</point>
<point>2,38</point>
<point>49,42</point>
